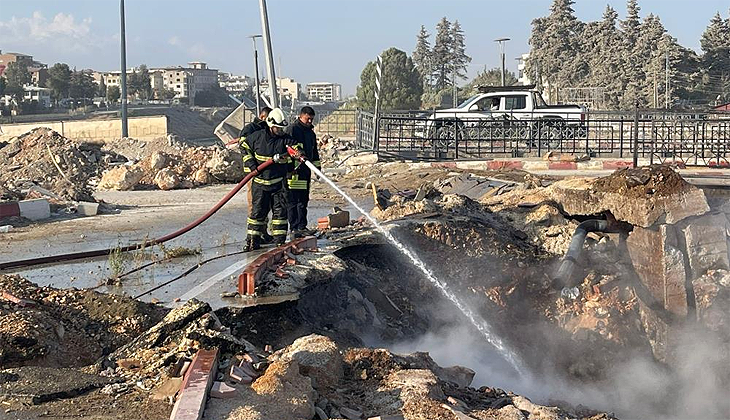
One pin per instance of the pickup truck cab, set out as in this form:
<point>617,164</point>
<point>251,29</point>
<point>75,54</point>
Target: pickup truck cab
<point>510,110</point>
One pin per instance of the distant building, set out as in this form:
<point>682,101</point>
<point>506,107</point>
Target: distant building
<point>287,87</point>
<point>235,84</point>
<point>38,75</point>
<point>38,71</point>
<point>38,94</point>
<point>522,77</point>
<point>324,91</point>
<point>186,82</point>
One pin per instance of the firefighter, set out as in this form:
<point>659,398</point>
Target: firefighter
<point>267,188</point>
<point>299,181</point>
<point>258,123</point>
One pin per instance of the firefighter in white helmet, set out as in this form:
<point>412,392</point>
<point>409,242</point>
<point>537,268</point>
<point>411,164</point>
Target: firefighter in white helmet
<point>267,188</point>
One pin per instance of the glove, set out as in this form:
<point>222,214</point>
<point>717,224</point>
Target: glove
<point>279,158</point>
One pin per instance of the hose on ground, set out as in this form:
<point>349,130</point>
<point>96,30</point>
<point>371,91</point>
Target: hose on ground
<point>103,252</point>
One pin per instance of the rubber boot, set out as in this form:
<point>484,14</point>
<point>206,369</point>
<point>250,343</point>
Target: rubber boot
<point>252,243</point>
<point>266,238</point>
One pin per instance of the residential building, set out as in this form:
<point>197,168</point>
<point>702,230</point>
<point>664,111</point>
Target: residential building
<point>287,87</point>
<point>38,94</point>
<point>38,75</point>
<point>324,91</point>
<point>522,77</point>
<point>235,84</point>
<point>11,57</point>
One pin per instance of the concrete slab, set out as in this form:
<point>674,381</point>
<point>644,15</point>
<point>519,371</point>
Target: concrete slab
<point>37,209</point>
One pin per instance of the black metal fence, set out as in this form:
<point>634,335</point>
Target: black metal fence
<point>694,139</point>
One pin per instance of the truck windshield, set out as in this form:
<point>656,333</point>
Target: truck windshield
<point>467,102</point>
<point>539,102</point>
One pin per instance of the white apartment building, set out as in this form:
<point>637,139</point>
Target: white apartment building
<point>286,86</point>
<point>38,94</point>
<point>522,77</point>
<point>324,91</point>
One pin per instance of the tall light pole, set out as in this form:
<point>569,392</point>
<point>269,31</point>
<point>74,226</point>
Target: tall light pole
<point>501,52</point>
<point>269,55</point>
<point>256,63</point>
<point>125,127</point>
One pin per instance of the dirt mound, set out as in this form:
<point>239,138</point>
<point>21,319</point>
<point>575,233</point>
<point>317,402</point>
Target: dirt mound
<point>47,159</point>
<point>43,326</point>
<point>660,180</point>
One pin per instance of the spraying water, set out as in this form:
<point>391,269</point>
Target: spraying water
<point>477,321</point>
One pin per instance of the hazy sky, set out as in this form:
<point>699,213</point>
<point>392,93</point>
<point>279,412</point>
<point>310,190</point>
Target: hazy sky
<point>316,40</point>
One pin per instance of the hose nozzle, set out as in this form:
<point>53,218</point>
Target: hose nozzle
<point>296,154</point>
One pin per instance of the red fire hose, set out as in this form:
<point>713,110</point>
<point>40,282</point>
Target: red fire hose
<point>173,235</point>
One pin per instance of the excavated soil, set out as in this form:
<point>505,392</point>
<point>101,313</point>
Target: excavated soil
<point>660,180</point>
<point>66,328</point>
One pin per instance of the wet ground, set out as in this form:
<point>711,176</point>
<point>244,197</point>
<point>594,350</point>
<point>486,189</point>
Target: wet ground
<point>144,215</point>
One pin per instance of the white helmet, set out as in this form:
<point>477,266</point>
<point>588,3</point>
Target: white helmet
<point>276,118</point>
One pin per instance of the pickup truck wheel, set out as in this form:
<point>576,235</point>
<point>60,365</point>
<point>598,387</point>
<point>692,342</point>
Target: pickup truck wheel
<point>550,136</point>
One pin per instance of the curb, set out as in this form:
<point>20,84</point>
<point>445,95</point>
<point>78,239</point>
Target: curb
<point>547,165</point>
<point>258,268</point>
<point>36,209</point>
<point>196,385</point>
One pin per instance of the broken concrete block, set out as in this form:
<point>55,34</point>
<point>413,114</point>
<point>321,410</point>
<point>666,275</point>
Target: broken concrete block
<point>221,390</point>
<point>37,209</point>
<point>6,228</point>
<point>350,413</point>
<point>167,179</point>
<point>659,264</point>
<point>339,219</point>
<point>158,160</point>
<point>121,178</point>
<point>318,357</point>
<point>167,389</point>
<point>461,376</point>
<point>86,208</point>
<point>363,159</point>
<point>705,238</point>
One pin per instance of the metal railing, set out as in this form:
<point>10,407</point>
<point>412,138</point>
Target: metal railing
<point>337,123</point>
<point>694,139</point>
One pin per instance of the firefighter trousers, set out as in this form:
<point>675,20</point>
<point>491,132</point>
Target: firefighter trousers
<point>297,201</point>
<point>265,199</point>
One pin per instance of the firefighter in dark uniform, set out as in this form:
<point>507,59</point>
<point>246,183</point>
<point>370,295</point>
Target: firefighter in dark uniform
<point>299,181</point>
<point>258,123</point>
<point>267,188</point>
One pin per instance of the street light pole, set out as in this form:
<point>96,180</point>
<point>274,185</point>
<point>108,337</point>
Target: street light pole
<point>256,63</point>
<point>269,55</point>
<point>123,82</point>
<point>501,51</point>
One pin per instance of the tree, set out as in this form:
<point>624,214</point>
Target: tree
<point>442,53</point>
<point>102,88</point>
<point>3,84</point>
<point>139,84</point>
<point>59,80</point>
<point>163,94</point>
<point>422,55</point>
<point>715,43</point>
<point>113,93</point>
<point>459,59</point>
<point>491,77</point>
<point>604,60</point>
<point>82,85</point>
<point>401,83</point>
<point>632,64</point>
<point>212,96</point>
<point>17,76</point>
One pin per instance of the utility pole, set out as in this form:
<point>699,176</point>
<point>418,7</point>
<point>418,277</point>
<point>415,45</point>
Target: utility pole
<point>269,55</point>
<point>258,83</point>
<point>125,127</point>
<point>501,42</point>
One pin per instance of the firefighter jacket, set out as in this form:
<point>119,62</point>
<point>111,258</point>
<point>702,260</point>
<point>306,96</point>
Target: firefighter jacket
<point>261,146</point>
<point>306,141</point>
<point>255,125</point>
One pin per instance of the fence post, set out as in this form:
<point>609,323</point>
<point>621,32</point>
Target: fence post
<point>636,135</point>
<point>376,118</point>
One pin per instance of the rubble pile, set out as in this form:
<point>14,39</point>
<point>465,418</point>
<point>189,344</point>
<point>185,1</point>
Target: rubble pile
<point>43,326</point>
<point>44,158</point>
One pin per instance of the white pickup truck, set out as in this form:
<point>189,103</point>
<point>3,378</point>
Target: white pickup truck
<point>512,112</point>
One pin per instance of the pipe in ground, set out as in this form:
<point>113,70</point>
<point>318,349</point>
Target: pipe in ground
<point>564,273</point>
<point>173,235</point>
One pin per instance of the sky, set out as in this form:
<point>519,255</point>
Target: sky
<point>314,40</point>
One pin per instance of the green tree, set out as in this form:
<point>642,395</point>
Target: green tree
<point>401,83</point>
<point>490,77</point>
<point>459,59</point>
<point>17,76</point>
<point>59,80</point>
<point>422,55</point>
<point>163,94</point>
<point>212,96</point>
<point>631,51</point>
<point>82,85</point>
<point>604,60</point>
<point>139,83</point>
<point>3,84</point>
<point>113,93</point>
<point>715,43</point>
<point>442,53</point>
<point>102,88</point>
